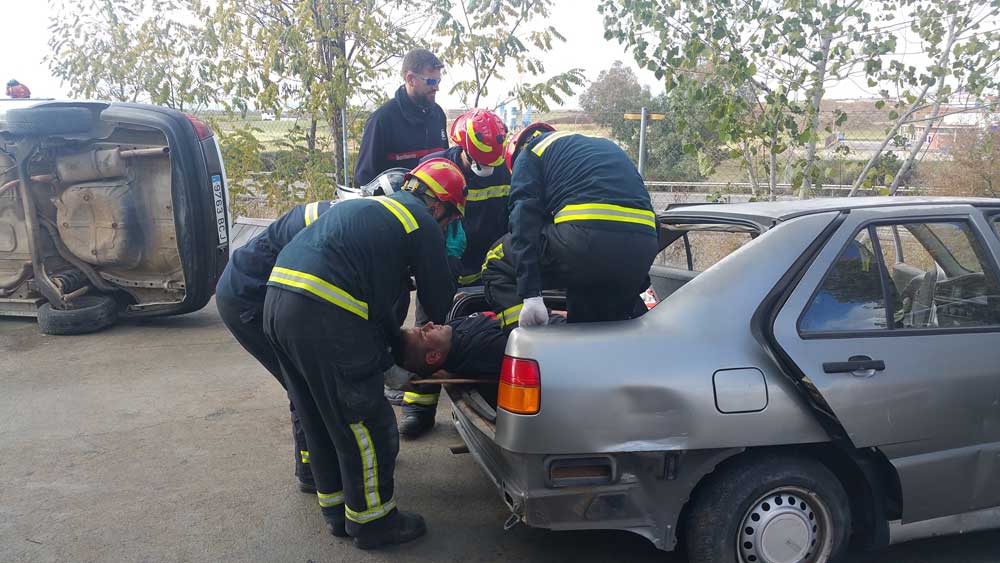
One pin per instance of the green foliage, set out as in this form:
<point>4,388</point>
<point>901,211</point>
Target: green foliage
<point>287,173</point>
<point>760,69</point>
<point>490,38</point>
<point>616,92</point>
<point>131,51</point>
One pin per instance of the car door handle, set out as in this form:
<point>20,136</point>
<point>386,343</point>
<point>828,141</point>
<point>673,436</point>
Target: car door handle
<point>858,365</point>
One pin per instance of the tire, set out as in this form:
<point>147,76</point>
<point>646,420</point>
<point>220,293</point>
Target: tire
<point>794,507</point>
<point>48,121</point>
<point>91,313</point>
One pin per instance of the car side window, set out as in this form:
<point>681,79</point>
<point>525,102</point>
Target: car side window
<point>851,297</point>
<point>996,225</point>
<point>936,274</point>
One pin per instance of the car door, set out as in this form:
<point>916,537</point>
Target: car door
<point>911,366</point>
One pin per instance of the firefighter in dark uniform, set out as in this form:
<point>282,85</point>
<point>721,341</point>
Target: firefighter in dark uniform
<point>479,151</point>
<point>581,219</point>
<point>409,126</point>
<point>329,315</point>
<point>239,296</point>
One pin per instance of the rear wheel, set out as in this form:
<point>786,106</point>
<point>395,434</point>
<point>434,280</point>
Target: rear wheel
<point>87,313</point>
<point>769,509</point>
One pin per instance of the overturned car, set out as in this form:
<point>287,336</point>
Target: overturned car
<point>814,370</point>
<point>107,210</point>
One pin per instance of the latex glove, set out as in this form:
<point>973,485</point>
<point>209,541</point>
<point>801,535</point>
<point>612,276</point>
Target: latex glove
<point>533,312</point>
<point>455,240</point>
<point>397,377</point>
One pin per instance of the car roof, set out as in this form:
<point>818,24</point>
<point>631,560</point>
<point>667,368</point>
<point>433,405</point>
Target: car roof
<point>769,212</point>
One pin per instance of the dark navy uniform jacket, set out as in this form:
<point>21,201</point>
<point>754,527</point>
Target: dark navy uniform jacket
<point>398,134</point>
<point>567,177</point>
<point>486,214</point>
<point>356,255</point>
<point>250,265</point>
<point>477,345</point>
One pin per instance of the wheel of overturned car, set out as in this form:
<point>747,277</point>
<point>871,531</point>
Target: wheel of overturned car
<point>87,313</point>
<point>48,121</point>
<point>769,509</point>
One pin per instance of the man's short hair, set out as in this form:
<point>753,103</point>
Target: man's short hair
<point>419,60</point>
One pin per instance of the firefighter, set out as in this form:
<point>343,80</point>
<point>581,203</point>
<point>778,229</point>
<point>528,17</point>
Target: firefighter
<point>17,90</point>
<point>239,295</point>
<point>329,315</point>
<point>479,142</point>
<point>407,127</point>
<point>581,219</point>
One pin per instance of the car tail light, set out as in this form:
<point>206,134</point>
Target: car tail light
<point>203,131</point>
<point>520,386</point>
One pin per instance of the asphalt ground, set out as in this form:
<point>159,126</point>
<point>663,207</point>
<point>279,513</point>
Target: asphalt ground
<point>162,440</point>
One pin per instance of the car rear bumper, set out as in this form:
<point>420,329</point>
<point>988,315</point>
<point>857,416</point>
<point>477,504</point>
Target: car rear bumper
<point>645,495</point>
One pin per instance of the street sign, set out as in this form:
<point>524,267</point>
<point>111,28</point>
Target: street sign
<point>638,116</point>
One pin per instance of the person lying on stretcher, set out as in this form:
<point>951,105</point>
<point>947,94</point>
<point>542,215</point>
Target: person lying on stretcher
<point>471,346</point>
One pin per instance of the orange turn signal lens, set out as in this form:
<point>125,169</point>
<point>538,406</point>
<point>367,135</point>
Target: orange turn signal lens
<point>517,399</point>
<point>520,386</point>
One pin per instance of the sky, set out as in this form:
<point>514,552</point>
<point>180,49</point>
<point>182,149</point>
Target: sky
<point>26,32</point>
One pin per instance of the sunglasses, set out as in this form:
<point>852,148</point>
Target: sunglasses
<point>429,81</point>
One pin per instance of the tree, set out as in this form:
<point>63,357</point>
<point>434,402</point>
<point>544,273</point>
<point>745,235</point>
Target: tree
<point>313,55</point>
<point>483,37</point>
<point>974,169</point>
<point>962,59</point>
<point>759,68</point>
<point>128,51</point>
<point>616,92</point>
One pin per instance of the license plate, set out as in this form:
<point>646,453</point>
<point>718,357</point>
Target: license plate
<point>220,209</point>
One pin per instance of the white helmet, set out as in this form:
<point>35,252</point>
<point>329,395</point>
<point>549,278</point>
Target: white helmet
<point>386,183</point>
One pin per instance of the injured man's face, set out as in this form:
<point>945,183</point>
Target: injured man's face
<point>426,348</point>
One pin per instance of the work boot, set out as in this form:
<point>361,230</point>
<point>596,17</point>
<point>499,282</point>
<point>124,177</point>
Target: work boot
<point>307,485</point>
<point>336,525</point>
<point>398,527</point>
<point>394,396</point>
<point>416,420</point>
<point>305,476</point>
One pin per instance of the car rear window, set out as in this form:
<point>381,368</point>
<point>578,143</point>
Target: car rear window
<point>704,247</point>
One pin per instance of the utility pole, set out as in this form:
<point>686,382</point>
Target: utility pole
<point>343,131</point>
<point>643,118</point>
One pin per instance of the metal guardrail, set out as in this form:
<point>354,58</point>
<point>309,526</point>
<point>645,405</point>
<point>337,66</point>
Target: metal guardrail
<point>747,187</point>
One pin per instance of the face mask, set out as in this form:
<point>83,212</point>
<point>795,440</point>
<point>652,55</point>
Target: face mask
<point>481,171</point>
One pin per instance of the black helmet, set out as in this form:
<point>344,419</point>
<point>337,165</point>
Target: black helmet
<point>12,82</point>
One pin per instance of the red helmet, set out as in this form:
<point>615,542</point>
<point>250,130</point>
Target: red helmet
<point>481,134</point>
<point>443,179</point>
<point>521,137</point>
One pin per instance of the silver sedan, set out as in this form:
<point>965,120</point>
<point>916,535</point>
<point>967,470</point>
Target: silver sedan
<point>816,372</point>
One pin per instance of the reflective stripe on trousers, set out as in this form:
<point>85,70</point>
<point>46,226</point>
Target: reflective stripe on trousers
<point>466,280</point>
<point>304,454</point>
<point>510,315</point>
<point>605,212</point>
<point>495,253</point>
<point>330,499</point>
<point>369,469</point>
<point>420,398</point>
